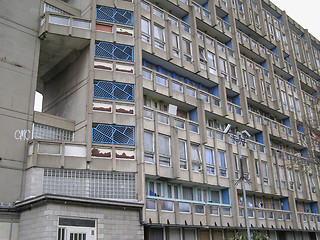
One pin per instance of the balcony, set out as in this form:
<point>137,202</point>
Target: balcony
<point>179,90</point>
<point>187,212</point>
<point>62,36</point>
<point>308,221</point>
<point>264,217</point>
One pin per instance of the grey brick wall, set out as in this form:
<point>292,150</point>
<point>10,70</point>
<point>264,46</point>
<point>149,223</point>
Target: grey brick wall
<point>42,222</point>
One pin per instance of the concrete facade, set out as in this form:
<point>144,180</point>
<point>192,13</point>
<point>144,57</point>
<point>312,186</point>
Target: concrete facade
<point>131,142</point>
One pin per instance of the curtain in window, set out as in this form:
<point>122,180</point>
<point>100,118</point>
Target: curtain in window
<point>222,160</point>
<point>163,143</point>
<point>187,193</point>
<point>182,150</point>
<point>148,141</point>
<point>215,196</point>
<point>195,154</point>
<point>209,156</point>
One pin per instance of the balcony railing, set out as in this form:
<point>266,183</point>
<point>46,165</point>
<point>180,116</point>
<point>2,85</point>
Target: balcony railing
<point>166,118</point>
<point>186,207</point>
<point>179,86</point>
<point>73,23</point>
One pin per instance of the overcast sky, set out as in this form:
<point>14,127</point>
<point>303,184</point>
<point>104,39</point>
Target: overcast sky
<point>304,12</point>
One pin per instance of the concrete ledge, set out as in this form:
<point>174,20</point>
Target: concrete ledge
<point>66,200</point>
<point>54,121</point>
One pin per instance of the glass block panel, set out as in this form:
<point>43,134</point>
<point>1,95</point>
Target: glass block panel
<point>41,131</point>
<point>91,184</point>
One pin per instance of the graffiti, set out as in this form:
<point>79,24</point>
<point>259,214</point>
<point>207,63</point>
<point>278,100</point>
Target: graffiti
<point>22,135</point>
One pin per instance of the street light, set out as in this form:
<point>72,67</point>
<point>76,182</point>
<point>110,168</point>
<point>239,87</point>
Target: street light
<point>241,138</point>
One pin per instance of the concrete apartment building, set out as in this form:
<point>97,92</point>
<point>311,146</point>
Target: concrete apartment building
<point>136,97</point>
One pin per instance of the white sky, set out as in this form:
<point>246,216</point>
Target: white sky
<point>305,13</point>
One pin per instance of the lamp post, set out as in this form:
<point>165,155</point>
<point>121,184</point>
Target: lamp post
<point>240,138</point>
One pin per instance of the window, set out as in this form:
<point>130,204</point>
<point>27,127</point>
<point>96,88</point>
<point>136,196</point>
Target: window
<point>187,51</point>
<point>175,45</point>
<point>148,147</point>
<point>245,81</point>
<point>183,154</point>
<point>276,178</point>
<point>284,100</point>
<point>203,60</point>
<point>195,158</point>
<point>256,163</point>
<point>298,180</point>
<point>290,178</point>
<point>200,35</point>
<point>161,80</point>
<point>159,37</point>
<point>269,90</point>
<point>187,193</point>
<point>265,175</point>
<point>173,21</point>
<point>210,161</point>
<point>233,73</point>
<point>215,196</point>
<point>282,177</point>
<point>257,20</point>
<point>252,82</point>
<point>164,150</point>
<point>223,68</point>
<point>177,86</point>
<point>145,30</point>
<point>284,38</point>
<point>291,103</point>
<point>271,30</point>
<point>312,184</point>
<point>278,33</point>
<point>296,47</point>
<point>158,12</point>
<point>240,7</point>
<point>221,48</point>
<point>222,163</point>
<point>236,166</point>
<point>209,41</point>
<point>146,74</point>
<point>145,5</point>
<point>212,63</point>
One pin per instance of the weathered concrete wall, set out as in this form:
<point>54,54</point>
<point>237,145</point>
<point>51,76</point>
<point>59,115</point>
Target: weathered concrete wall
<point>19,54</point>
<point>65,94</point>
